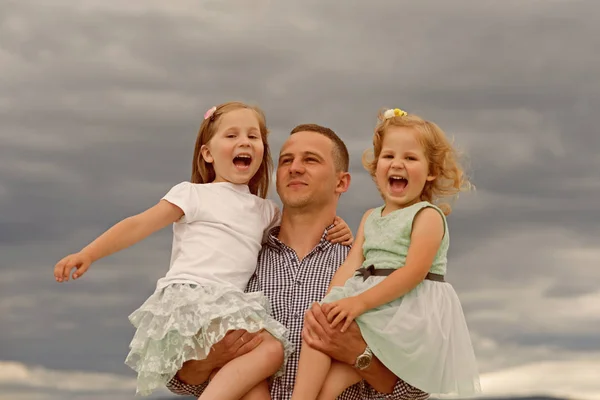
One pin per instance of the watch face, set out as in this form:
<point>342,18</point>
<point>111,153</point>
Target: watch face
<point>363,361</point>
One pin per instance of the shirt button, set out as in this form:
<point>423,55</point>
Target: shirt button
<point>297,315</point>
<point>298,283</point>
<point>289,388</point>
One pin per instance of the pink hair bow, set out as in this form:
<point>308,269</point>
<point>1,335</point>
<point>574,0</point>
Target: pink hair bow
<point>210,112</point>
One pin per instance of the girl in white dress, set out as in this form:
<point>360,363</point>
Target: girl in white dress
<point>219,220</point>
<point>393,281</point>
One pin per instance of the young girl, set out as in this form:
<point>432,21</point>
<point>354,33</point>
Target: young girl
<point>410,318</point>
<point>219,221</point>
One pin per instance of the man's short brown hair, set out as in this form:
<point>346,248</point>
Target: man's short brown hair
<point>341,157</point>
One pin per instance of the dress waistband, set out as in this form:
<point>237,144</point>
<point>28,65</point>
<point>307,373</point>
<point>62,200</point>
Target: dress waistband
<point>372,271</point>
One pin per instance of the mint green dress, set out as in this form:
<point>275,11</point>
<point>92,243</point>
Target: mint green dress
<point>422,337</point>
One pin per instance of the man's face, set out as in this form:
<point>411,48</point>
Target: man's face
<point>306,174</point>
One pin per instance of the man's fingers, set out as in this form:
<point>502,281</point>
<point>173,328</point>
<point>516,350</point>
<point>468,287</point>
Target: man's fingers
<point>325,308</point>
<point>247,336</point>
<point>312,341</point>
<point>317,312</point>
<point>231,338</point>
<point>312,324</point>
<point>249,345</point>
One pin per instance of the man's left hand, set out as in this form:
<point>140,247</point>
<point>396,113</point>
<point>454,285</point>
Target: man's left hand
<point>341,346</point>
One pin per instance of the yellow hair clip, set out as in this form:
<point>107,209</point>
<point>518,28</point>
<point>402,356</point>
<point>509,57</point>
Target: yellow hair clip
<point>394,112</point>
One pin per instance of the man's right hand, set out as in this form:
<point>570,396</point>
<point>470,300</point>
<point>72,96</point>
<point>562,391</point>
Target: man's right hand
<point>233,345</point>
<point>318,334</point>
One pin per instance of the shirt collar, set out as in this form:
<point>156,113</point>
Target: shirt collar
<point>234,186</point>
<point>274,242</point>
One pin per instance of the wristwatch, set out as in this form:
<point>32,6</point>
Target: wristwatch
<point>364,360</point>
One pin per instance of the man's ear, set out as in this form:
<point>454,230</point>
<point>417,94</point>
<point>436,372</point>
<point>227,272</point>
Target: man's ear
<point>343,182</point>
<point>205,151</point>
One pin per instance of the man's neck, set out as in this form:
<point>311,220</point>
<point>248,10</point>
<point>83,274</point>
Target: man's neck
<point>301,230</point>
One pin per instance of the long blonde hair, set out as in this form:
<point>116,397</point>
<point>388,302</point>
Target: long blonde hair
<point>203,172</point>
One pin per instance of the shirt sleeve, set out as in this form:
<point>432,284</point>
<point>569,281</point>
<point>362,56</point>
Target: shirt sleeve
<point>402,391</point>
<point>178,387</point>
<point>184,196</point>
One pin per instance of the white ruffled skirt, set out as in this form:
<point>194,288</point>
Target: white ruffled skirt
<point>182,321</point>
<point>421,337</point>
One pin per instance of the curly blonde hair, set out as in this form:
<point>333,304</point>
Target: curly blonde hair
<point>203,172</point>
<point>442,157</point>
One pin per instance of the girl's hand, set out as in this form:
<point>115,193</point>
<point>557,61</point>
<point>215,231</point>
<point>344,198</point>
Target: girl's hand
<point>80,261</point>
<point>348,309</point>
<point>340,232</point>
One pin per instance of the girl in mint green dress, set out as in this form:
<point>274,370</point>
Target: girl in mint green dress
<point>393,281</point>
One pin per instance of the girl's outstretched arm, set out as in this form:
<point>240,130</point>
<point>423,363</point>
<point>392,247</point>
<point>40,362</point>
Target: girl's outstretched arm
<point>122,235</point>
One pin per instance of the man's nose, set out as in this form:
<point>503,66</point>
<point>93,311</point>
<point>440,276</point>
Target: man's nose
<point>296,167</point>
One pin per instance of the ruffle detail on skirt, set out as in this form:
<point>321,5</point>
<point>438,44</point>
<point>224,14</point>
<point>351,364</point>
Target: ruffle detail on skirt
<point>182,321</point>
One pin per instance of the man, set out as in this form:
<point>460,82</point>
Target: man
<point>294,269</point>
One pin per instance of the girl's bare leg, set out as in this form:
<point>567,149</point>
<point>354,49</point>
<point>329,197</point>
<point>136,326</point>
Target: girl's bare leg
<point>246,371</point>
<point>340,377</point>
<point>258,392</point>
<point>312,370</point>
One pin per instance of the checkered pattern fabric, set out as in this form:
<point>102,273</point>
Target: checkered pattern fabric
<point>292,285</point>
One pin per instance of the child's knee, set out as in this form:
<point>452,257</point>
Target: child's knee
<point>272,348</point>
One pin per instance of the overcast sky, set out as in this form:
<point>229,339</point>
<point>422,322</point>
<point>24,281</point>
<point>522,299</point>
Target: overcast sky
<point>100,102</point>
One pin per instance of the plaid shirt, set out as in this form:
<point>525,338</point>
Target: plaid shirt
<point>292,285</point>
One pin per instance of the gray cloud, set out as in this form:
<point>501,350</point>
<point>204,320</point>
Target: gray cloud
<point>100,103</point>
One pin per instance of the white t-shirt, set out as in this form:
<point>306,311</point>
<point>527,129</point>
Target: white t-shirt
<point>220,235</point>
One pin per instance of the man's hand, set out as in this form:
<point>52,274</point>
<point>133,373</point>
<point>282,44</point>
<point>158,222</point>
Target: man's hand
<point>340,232</point>
<point>341,346</point>
<point>345,347</point>
<point>233,345</point>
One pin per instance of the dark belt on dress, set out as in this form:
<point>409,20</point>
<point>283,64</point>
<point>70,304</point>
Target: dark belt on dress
<point>372,271</point>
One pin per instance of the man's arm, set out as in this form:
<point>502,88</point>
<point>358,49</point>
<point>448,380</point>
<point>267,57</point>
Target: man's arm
<point>346,347</point>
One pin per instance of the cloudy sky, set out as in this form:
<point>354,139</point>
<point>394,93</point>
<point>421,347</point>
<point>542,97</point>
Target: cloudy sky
<point>100,101</point>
